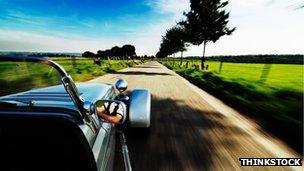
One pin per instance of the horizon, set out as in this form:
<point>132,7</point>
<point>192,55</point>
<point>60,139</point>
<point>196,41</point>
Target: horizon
<point>263,27</point>
<point>189,56</point>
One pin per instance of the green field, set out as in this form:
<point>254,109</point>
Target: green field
<point>21,76</point>
<point>277,104</point>
<point>288,76</point>
<point>85,69</point>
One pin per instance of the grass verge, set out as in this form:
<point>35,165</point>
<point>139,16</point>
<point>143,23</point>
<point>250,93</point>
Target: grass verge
<point>84,70</point>
<point>287,76</point>
<point>22,76</point>
<point>277,110</point>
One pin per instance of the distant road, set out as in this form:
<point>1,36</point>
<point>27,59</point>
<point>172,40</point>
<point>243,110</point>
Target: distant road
<point>191,130</point>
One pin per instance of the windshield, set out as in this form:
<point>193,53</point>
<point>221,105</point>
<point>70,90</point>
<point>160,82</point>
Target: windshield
<point>18,77</point>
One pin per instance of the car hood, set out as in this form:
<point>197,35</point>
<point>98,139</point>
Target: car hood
<point>56,96</point>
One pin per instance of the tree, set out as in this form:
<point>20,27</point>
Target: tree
<point>128,51</point>
<point>165,48</point>
<point>108,53</point>
<point>101,54</point>
<point>125,51</point>
<point>88,54</point>
<point>116,51</point>
<point>174,41</point>
<point>177,37</point>
<point>206,21</point>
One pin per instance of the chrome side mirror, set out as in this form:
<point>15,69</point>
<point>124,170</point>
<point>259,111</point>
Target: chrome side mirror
<point>121,85</point>
<point>111,110</point>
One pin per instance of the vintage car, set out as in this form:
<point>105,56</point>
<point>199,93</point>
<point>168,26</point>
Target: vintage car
<point>47,122</point>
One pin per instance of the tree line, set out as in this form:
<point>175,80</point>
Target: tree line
<point>205,22</point>
<point>39,54</point>
<point>126,51</point>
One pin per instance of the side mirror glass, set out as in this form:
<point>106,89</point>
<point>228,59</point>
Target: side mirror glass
<point>111,110</point>
<point>121,85</point>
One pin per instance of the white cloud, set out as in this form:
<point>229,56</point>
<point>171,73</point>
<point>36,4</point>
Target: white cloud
<point>26,41</point>
<point>173,7</point>
<point>146,41</point>
<point>263,27</point>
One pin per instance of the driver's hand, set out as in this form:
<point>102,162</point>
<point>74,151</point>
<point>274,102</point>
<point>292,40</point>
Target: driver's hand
<point>111,112</point>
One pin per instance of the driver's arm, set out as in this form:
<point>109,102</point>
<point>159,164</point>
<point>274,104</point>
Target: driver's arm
<point>116,118</point>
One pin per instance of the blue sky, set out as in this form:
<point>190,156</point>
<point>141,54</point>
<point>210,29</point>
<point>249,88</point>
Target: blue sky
<point>87,18</point>
<point>75,26</point>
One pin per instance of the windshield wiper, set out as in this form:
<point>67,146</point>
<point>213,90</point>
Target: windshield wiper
<point>10,103</point>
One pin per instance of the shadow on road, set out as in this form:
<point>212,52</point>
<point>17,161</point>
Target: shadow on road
<point>139,73</point>
<point>179,138</point>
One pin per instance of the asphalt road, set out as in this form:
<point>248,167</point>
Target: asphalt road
<point>191,130</point>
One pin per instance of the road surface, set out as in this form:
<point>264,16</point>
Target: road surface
<point>191,130</point>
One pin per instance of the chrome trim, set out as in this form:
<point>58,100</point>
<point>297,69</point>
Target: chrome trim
<point>140,108</point>
<point>72,90</point>
<point>125,151</point>
<point>121,85</point>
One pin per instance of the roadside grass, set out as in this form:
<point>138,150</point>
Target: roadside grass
<point>84,70</point>
<point>22,76</point>
<point>277,109</point>
<point>289,76</point>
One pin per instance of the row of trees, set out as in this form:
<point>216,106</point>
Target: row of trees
<point>126,51</point>
<point>205,22</point>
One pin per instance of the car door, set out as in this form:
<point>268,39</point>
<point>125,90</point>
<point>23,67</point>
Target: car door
<point>104,145</point>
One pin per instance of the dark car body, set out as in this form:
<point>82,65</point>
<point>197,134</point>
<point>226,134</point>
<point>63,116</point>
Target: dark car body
<point>57,128</point>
